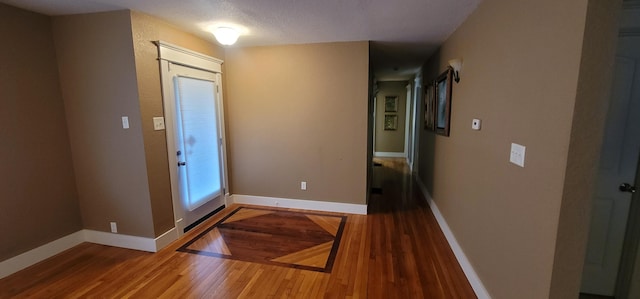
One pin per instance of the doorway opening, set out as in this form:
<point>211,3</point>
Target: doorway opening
<point>611,264</point>
<point>393,119</point>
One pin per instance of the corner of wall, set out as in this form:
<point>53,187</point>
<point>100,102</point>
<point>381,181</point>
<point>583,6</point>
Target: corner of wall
<point>97,50</point>
<point>591,104</point>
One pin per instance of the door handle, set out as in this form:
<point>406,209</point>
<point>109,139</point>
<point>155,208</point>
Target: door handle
<point>624,187</point>
<point>182,163</point>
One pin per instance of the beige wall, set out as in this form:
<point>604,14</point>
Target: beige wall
<point>147,29</point>
<point>98,80</point>
<point>521,77</point>
<point>299,113</point>
<point>389,140</point>
<point>39,202</point>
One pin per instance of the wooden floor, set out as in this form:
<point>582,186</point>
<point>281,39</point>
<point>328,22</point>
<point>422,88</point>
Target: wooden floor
<point>397,251</point>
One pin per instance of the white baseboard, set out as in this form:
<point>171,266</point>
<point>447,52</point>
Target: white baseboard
<point>389,155</point>
<point>120,240</point>
<point>50,249</point>
<point>300,204</point>
<point>165,239</point>
<point>472,276</point>
<point>36,255</point>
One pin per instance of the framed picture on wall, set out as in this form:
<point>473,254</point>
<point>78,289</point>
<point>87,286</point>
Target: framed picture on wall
<point>391,104</point>
<point>430,107</point>
<point>390,122</point>
<point>443,102</point>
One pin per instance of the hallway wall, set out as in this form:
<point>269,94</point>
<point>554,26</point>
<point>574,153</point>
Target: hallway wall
<point>531,83</point>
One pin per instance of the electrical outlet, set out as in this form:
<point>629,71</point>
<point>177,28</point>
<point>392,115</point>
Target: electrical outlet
<point>114,227</point>
<point>303,185</point>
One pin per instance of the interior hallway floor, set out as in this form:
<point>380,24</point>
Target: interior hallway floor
<point>397,251</point>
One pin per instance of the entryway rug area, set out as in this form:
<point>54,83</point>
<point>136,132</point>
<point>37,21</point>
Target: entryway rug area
<point>299,240</point>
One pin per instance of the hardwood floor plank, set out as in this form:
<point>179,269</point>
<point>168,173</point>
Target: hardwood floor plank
<point>246,214</point>
<point>330,224</point>
<point>315,256</point>
<point>211,242</point>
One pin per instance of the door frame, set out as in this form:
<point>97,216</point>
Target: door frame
<point>169,54</point>
<point>407,125</point>
<point>630,261</point>
<point>417,119</point>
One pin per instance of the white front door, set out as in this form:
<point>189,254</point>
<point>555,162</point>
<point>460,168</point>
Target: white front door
<point>194,142</point>
<point>618,163</point>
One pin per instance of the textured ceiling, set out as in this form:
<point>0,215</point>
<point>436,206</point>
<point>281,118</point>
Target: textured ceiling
<point>405,32</point>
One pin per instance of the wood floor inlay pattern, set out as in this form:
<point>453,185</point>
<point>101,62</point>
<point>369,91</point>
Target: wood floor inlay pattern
<point>298,240</point>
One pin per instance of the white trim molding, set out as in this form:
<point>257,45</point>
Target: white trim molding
<point>408,103</point>
<point>165,239</point>
<point>472,276</point>
<point>389,155</point>
<point>36,255</point>
<point>304,204</point>
<point>183,56</point>
<point>131,242</point>
<point>119,240</point>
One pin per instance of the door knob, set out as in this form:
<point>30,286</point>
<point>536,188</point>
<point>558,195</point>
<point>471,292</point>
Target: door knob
<point>624,187</point>
<point>182,163</point>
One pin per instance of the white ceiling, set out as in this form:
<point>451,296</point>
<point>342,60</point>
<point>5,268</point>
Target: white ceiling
<point>405,32</point>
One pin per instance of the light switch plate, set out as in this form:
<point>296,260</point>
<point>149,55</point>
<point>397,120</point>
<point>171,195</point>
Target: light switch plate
<point>517,154</point>
<point>158,123</point>
<point>475,124</point>
<point>125,122</point>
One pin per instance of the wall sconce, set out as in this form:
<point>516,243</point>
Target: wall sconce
<point>226,36</point>
<point>456,66</point>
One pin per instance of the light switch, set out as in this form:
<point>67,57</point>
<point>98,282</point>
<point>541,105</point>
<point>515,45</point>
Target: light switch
<point>158,123</point>
<point>125,122</point>
<point>475,124</point>
<point>517,154</point>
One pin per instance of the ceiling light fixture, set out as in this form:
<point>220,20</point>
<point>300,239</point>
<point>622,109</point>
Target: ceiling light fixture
<point>226,35</point>
<point>456,65</point>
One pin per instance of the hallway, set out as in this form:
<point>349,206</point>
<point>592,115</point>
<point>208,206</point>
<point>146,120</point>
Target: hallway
<point>408,248</point>
<point>397,251</point>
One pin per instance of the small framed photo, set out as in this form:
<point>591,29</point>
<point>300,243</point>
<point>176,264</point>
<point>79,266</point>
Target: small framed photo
<point>443,102</point>
<point>391,104</point>
<point>430,107</point>
<point>390,122</point>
